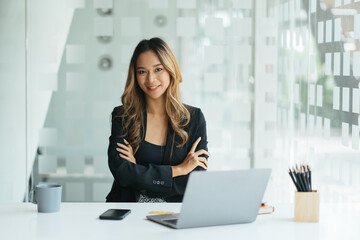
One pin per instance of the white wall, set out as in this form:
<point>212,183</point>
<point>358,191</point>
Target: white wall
<point>12,100</point>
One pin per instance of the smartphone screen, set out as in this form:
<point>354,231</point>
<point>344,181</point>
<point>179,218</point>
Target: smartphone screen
<point>115,214</point>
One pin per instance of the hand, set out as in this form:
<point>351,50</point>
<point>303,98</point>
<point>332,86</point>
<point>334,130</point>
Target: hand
<point>191,161</point>
<point>126,152</point>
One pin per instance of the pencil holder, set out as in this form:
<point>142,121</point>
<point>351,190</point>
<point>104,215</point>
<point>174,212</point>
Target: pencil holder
<point>306,206</point>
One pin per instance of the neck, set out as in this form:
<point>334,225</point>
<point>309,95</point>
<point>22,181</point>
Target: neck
<point>156,106</point>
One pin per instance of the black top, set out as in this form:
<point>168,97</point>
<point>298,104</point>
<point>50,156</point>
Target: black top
<point>149,174</point>
<point>149,153</point>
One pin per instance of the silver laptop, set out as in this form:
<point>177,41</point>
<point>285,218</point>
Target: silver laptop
<point>219,198</point>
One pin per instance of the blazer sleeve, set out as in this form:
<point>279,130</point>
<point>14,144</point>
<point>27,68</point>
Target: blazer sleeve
<point>180,182</point>
<point>155,178</point>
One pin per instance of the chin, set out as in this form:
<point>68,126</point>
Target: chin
<point>155,96</point>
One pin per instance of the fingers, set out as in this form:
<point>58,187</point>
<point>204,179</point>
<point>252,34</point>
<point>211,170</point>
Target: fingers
<point>129,159</point>
<point>125,157</point>
<point>203,162</point>
<point>124,147</point>
<point>192,150</point>
<point>126,153</point>
<point>202,151</point>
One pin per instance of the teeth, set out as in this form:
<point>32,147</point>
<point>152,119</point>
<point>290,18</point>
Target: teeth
<point>153,87</point>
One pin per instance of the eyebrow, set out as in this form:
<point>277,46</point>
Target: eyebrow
<point>159,64</point>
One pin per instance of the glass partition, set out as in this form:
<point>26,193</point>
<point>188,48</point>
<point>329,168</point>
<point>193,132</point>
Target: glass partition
<point>318,86</point>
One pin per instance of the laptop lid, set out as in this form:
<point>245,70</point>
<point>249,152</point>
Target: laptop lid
<point>222,197</point>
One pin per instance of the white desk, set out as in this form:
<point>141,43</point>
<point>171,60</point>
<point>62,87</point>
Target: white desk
<point>80,221</point>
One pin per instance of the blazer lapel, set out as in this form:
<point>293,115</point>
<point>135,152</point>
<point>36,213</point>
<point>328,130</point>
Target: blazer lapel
<point>169,145</point>
<point>143,130</point>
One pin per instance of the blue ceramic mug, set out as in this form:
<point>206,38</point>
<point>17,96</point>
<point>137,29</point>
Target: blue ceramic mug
<point>47,197</point>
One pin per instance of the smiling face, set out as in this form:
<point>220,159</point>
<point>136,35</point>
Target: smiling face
<point>151,75</point>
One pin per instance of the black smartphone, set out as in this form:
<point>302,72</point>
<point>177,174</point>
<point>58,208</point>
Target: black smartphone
<point>115,214</point>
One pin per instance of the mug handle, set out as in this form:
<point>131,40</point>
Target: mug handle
<point>32,195</point>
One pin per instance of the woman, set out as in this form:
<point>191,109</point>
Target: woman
<point>156,140</point>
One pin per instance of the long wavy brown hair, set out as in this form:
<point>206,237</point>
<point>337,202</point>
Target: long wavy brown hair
<point>133,98</point>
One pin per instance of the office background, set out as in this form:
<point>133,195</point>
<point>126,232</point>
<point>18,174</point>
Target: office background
<point>278,81</point>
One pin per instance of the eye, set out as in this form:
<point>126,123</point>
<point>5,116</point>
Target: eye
<point>158,69</point>
<point>141,72</point>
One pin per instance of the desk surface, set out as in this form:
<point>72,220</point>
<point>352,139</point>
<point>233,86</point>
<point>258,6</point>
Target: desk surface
<point>80,221</point>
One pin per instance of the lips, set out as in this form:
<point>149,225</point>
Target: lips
<point>152,88</point>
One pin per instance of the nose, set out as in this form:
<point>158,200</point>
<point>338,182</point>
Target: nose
<point>151,77</point>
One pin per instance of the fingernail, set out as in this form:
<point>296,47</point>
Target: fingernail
<point>125,140</point>
<point>200,138</point>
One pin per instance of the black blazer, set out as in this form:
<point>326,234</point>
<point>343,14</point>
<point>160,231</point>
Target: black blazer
<point>156,180</point>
